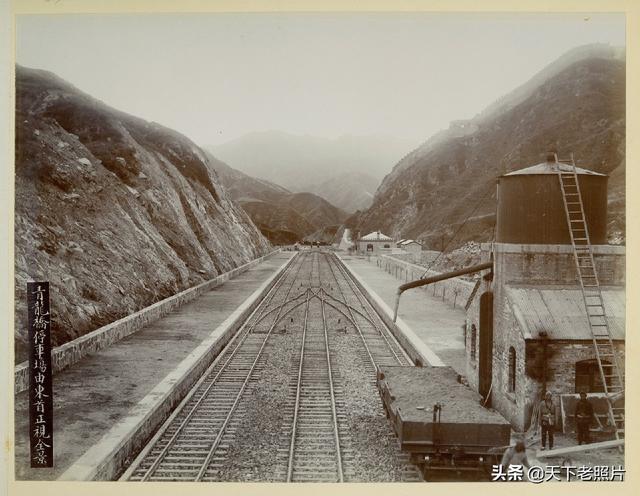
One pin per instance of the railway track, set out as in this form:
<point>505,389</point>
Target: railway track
<point>381,346</point>
<point>190,445</point>
<point>315,450</point>
<point>298,331</point>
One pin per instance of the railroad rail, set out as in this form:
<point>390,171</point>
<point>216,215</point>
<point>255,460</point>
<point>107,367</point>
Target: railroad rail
<point>382,347</point>
<point>315,447</point>
<point>310,324</point>
<point>183,448</point>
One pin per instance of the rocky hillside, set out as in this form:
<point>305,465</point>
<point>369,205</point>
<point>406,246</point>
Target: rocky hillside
<point>116,212</point>
<point>575,105</point>
<point>282,216</point>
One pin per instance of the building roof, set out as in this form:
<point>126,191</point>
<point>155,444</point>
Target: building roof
<point>408,242</point>
<point>376,236</point>
<point>560,312</point>
<point>551,168</point>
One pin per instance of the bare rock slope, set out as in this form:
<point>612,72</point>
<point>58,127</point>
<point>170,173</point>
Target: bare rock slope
<point>116,212</point>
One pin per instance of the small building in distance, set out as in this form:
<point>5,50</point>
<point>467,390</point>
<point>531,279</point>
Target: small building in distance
<point>527,329</point>
<point>411,245</point>
<point>375,243</point>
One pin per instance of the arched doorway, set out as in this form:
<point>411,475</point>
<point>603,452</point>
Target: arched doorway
<point>485,346</point>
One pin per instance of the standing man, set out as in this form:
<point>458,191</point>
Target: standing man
<point>547,420</point>
<point>584,414</point>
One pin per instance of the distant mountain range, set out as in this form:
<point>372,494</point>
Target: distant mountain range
<point>307,163</point>
<point>243,187</point>
<point>576,104</point>
<point>282,216</point>
<point>350,191</point>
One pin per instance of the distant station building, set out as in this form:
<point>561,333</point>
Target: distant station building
<point>375,243</point>
<point>527,329</point>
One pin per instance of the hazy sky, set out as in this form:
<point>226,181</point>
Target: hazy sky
<point>215,77</point>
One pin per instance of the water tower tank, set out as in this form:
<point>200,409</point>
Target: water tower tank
<point>531,209</point>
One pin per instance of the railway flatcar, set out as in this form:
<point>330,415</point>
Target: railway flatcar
<point>441,422</point>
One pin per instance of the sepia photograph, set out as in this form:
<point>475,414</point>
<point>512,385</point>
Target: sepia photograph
<point>318,246</point>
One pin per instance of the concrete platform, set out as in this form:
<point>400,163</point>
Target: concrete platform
<point>112,387</point>
<point>434,321</point>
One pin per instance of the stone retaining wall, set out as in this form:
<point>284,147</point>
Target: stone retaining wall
<point>69,353</point>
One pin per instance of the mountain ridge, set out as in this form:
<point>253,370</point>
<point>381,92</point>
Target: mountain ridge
<point>284,217</point>
<point>299,163</point>
<point>350,191</point>
<point>463,127</point>
<point>580,108</point>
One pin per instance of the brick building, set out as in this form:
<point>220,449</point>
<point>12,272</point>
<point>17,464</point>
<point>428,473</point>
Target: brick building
<point>526,329</point>
<point>533,303</point>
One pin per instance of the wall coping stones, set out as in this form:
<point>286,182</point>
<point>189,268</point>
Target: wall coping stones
<point>69,353</point>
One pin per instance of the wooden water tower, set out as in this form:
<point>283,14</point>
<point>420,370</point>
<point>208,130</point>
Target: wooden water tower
<point>531,209</point>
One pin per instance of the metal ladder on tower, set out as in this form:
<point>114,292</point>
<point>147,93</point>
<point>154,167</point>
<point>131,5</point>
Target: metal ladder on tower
<point>592,296</point>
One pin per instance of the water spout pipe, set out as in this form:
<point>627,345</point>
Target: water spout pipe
<point>439,277</point>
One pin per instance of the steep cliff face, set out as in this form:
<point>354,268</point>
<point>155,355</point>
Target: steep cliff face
<point>578,105</point>
<point>116,212</point>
